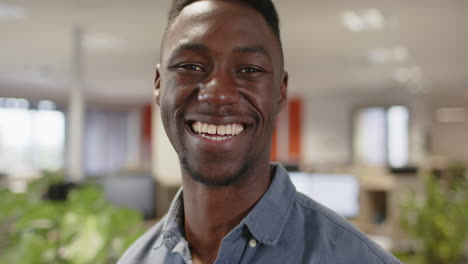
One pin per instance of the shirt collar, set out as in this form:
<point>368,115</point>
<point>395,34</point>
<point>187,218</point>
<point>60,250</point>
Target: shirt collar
<point>268,218</point>
<point>274,207</point>
<point>171,232</point>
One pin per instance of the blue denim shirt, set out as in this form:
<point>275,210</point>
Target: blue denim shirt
<point>284,227</point>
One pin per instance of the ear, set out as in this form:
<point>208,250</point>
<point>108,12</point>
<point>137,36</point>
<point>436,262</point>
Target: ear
<point>157,85</point>
<point>283,92</point>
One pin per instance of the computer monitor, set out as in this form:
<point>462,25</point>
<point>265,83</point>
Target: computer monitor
<point>339,192</point>
<point>132,191</point>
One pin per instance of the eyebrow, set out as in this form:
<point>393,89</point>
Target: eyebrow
<point>197,47</point>
<point>253,50</point>
<point>189,47</point>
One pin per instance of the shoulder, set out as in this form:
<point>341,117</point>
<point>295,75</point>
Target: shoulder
<point>344,242</point>
<point>139,250</point>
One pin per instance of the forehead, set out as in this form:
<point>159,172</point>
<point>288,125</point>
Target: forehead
<point>212,22</point>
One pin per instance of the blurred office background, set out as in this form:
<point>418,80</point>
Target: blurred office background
<point>378,102</point>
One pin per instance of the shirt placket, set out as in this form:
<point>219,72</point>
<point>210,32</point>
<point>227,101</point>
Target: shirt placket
<point>232,249</point>
<point>250,248</point>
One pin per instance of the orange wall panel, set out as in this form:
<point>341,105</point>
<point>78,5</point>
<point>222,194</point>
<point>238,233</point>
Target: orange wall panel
<point>295,129</point>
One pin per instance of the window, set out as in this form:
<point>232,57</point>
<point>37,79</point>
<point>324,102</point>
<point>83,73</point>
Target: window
<point>381,136</point>
<point>398,150</point>
<point>31,137</point>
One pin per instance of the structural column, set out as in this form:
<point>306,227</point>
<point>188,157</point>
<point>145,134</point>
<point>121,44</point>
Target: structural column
<point>76,111</point>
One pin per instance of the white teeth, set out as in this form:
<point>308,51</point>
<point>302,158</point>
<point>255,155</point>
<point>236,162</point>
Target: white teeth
<point>221,130</point>
<point>239,128</point>
<point>212,129</point>
<point>204,128</point>
<point>216,138</point>
<point>218,132</point>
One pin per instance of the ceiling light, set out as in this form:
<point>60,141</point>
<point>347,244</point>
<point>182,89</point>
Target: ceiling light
<point>366,20</point>
<point>409,74</point>
<point>412,78</point>
<point>388,55</point>
<point>352,21</point>
<point>373,19</point>
<point>379,56</point>
<point>11,12</point>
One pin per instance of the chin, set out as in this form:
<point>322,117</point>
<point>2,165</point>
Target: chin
<point>216,176</point>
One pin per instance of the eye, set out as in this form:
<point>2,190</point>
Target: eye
<point>191,67</point>
<point>249,70</point>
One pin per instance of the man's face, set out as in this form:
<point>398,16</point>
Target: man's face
<point>222,85</point>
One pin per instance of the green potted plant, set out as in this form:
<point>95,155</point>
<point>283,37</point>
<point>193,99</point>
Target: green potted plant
<point>438,220</point>
<point>84,228</point>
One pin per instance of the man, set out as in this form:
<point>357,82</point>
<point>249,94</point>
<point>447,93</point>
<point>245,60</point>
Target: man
<point>220,86</point>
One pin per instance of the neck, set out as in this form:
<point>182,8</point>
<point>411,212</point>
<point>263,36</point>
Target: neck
<point>212,212</point>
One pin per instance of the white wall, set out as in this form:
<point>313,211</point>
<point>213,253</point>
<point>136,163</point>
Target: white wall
<point>165,165</point>
<point>449,141</point>
<point>326,132</point>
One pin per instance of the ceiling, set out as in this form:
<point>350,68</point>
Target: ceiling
<point>322,56</point>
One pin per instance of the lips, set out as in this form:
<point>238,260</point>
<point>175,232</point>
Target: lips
<point>217,132</point>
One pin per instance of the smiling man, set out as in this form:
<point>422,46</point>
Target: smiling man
<point>220,85</point>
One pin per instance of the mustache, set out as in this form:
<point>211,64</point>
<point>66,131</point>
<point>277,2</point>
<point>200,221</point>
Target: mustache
<point>222,111</point>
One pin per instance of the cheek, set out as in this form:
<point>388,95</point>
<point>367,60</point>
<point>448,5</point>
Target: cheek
<point>174,99</point>
<point>170,121</point>
<point>177,90</point>
<point>267,101</point>
<point>168,106</point>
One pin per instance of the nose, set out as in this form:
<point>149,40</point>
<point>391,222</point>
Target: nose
<point>218,91</point>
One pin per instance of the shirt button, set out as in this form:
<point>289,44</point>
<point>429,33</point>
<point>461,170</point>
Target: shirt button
<point>252,243</point>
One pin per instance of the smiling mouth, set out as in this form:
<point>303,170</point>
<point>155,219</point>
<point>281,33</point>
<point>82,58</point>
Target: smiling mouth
<point>215,132</point>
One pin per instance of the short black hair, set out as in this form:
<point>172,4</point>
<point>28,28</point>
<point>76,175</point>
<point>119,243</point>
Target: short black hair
<point>265,7</point>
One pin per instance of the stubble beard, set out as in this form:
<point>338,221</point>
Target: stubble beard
<point>225,181</point>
